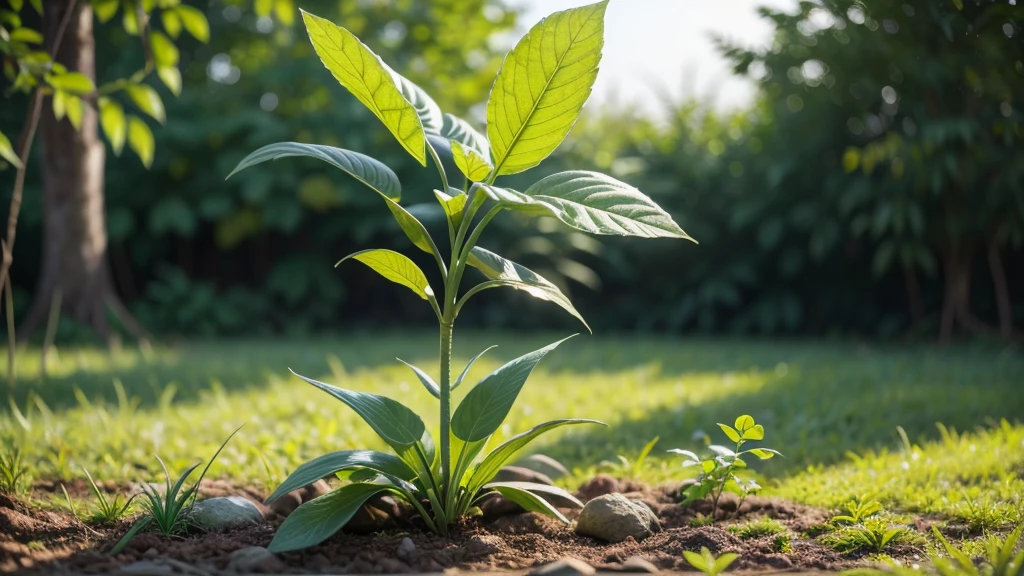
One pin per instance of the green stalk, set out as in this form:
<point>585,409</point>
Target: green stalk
<point>446,401</point>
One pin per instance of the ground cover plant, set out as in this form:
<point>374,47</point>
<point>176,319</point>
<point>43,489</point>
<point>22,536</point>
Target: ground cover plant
<point>537,96</point>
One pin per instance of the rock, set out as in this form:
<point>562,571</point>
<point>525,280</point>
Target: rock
<point>220,513</point>
<point>407,550</point>
<point>565,567</point>
<point>613,518</point>
<point>638,564</point>
<point>497,506</point>
<point>517,474</point>
<point>254,559</point>
<point>545,465</point>
<point>599,485</point>
<point>287,504</point>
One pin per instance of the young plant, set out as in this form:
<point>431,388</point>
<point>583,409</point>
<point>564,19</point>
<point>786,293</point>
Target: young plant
<point>107,510</point>
<point>534,102</point>
<point>536,98</point>
<point>631,468</point>
<point>858,509</point>
<point>999,559</point>
<point>875,535</point>
<point>13,470</point>
<point>718,473</point>
<point>168,511</point>
<point>707,563</point>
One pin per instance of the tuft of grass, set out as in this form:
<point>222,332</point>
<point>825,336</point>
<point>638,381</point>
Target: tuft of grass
<point>106,510</point>
<point>1001,556</point>
<point>14,472</point>
<point>874,535</point>
<point>762,526</point>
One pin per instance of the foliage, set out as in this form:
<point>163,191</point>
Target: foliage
<point>857,510</point>
<point>106,510</point>
<point>718,473</point>
<point>168,511</point>
<point>632,468</point>
<point>555,63</point>
<point>874,535</point>
<point>763,526</point>
<point>1001,556</point>
<point>14,471</point>
<point>707,563</point>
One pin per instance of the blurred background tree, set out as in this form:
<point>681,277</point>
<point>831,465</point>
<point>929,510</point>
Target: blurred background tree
<point>874,186</point>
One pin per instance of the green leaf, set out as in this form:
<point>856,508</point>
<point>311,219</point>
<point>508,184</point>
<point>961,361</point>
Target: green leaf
<point>508,273</point>
<point>503,453</point>
<point>764,453</point>
<point>431,118</point>
<point>37,5</point>
<point>114,124</point>
<point>425,379</point>
<point>527,499</point>
<point>130,22</point>
<point>334,462</point>
<point>318,519</point>
<point>413,228</point>
<point>195,22</point>
<point>171,77</point>
<point>484,409</point>
<point>74,108</point>
<point>363,73</point>
<point>732,434</point>
<point>690,456</point>
<point>510,198</point>
<point>395,267</point>
<point>458,130</point>
<point>696,560</point>
<point>744,422</point>
<point>453,206</point>
<point>72,82</point>
<point>146,98</point>
<point>59,104</point>
<point>16,5</point>
<point>367,170</point>
<point>26,35</point>
<point>172,22</point>
<point>397,425</point>
<point>7,151</point>
<point>470,162</point>
<point>600,204</point>
<point>104,9</point>
<point>542,86</point>
<point>285,11</point>
<point>165,53</point>
<point>754,433</point>
<point>140,139</point>
<point>263,8</point>
<point>469,364</point>
<point>723,561</point>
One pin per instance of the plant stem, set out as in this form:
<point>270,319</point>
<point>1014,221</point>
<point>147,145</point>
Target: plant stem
<point>440,168</point>
<point>446,400</point>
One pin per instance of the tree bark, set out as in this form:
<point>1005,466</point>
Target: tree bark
<point>74,224</point>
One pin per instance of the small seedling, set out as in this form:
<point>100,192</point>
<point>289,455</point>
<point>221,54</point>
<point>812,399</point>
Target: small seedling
<point>756,528</point>
<point>858,509</point>
<point>632,468</point>
<point>718,473</point>
<point>999,559</point>
<point>707,563</point>
<point>13,471</point>
<point>874,535</point>
<point>107,510</point>
<point>168,512</point>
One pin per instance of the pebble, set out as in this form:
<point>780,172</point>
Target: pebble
<point>221,513</point>
<point>407,549</point>
<point>638,564</point>
<point>613,518</point>
<point>254,559</point>
<point>565,567</point>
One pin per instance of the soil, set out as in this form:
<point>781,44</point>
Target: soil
<point>42,541</point>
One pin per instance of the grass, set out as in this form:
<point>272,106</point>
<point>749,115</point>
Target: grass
<point>831,408</point>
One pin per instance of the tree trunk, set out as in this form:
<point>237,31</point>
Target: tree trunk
<point>74,225</point>
<point>1002,289</point>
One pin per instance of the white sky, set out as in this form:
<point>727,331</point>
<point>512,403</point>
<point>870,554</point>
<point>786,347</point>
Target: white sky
<point>654,46</point>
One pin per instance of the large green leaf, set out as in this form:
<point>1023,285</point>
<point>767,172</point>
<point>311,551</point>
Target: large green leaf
<point>599,204</point>
<point>527,499</point>
<point>424,379</point>
<point>395,267</point>
<point>546,490</point>
<point>542,87</point>
<point>397,425</point>
<point>367,170</point>
<point>484,409</point>
<point>512,199</point>
<point>458,130</point>
<point>318,519</point>
<point>427,109</point>
<point>328,464</point>
<point>363,73</point>
<point>503,453</point>
<point>412,227</point>
<point>470,162</point>
<point>508,273</point>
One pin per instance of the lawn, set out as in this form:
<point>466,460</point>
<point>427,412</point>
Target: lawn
<point>851,419</point>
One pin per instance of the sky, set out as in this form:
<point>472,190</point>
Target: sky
<point>664,46</point>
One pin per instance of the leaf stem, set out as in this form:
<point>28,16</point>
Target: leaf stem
<point>440,168</point>
<point>478,288</point>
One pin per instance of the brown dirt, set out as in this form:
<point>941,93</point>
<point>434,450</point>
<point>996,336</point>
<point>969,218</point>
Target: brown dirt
<point>48,542</point>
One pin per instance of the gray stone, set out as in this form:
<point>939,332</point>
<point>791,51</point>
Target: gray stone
<point>565,567</point>
<point>517,474</point>
<point>221,513</point>
<point>546,465</point>
<point>613,518</point>
<point>638,564</point>
<point>407,549</point>
<point>254,559</point>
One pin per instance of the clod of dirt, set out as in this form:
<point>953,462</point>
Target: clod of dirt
<point>564,567</point>
<point>598,486</point>
<point>613,518</point>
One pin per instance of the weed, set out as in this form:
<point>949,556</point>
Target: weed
<point>631,468</point>
<point>857,510</point>
<point>874,535</point>
<point>718,473</point>
<point>702,520</point>
<point>13,470</point>
<point>999,558</point>
<point>762,526</point>
<point>707,563</point>
<point>107,510</point>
